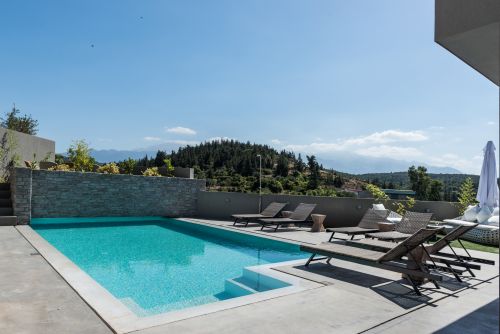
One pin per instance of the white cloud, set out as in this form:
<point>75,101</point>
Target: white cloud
<point>181,131</point>
<point>148,138</point>
<point>387,151</point>
<point>388,136</point>
<point>276,141</point>
<point>363,143</point>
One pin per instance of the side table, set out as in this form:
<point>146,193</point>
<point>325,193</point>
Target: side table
<point>318,223</point>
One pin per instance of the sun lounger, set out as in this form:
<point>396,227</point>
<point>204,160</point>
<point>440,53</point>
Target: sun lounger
<point>299,216</point>
<point>390,260</point>
<point>409,224</point>
<point>270,211</point>
<point>434,251</point>
<point>367,224</point>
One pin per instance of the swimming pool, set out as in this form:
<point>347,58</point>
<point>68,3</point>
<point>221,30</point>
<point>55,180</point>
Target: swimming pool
<point>155,265</point>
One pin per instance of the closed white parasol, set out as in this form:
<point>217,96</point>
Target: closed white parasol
<point>487,194</point>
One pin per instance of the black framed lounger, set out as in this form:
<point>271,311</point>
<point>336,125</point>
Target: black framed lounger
<point>367,224</point>
<point>390,260</point>
<point>434,251</point>
<point>409,224</point>
<point>270,211</point>
<point>299,217</point>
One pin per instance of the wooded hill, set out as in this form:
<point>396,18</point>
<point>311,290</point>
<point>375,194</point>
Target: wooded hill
<point>234,166</point>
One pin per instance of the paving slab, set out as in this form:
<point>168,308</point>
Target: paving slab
<point>351,298</point>
<point>34,298</point>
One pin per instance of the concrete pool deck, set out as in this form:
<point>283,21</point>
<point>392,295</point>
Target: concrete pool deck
<point>351,299</point>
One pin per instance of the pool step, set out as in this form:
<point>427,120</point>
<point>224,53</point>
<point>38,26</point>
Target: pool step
<point>8,220</point>
<point>236,289</point>
<point>251,282</point>
<point>5,194</point>
<point>6,211</point>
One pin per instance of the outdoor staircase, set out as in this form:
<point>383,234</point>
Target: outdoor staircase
<point>6,212</point>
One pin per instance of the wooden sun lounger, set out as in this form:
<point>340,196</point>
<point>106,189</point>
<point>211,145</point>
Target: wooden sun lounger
<point>369,223</point>
<point>270,211</point>
<point>409,224</point>
<point>299,216</point>
<point>390,260</point>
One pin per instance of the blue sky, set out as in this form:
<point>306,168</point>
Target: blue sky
<point>320,77</point>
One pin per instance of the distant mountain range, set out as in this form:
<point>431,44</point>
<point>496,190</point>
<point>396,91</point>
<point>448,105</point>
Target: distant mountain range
<point>344,162</point>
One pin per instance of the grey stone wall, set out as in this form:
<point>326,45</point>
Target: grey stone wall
<point>74,194</point>
<point>20,187</point>
<point>340,211</point>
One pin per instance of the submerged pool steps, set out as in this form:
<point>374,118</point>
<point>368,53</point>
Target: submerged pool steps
<point>251,282</point>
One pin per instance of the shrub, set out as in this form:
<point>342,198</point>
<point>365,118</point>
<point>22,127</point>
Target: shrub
<point>110,168</point>
<point>153,171</point>
<point>169,167</point>
<point>79,155</point>
<point>378,195</point>
<point>127,165</point>
<point>401,208</point>
<point>61,167</point>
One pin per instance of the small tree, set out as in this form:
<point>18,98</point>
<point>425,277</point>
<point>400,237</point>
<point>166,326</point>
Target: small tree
<point>168,166</point>
<point>282,166</point>
<point>466,195</point>
<point>128,165</point>
<point>435,189</point>
<point>299,165</point>
<point>160,158</point>
<point>79,156</point>
<point>25,124</point>
<point>420,182</point>
<point>314,172</point>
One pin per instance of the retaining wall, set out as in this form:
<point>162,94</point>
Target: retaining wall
<point>340,211</point>
<point>40,193</point>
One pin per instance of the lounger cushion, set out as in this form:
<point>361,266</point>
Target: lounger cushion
<point>470,214</point>
<point>378,207</point>
<point>483,215</point>
<point>493,221</point>
<point>249,215</point>
<point>328,249</point>
<point>351,230</point>
<point>279,220</point>
<point>393,235</point>
<point>385,245</point>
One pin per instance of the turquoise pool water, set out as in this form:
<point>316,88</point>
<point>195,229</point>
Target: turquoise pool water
<point>156,265</point>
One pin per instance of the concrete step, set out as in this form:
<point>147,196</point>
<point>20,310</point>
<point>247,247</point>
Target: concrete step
<point>5,203</point>
<point>6,212</point>
<point>5,194</point>
<point>5,186</point>
<point>8,220</point>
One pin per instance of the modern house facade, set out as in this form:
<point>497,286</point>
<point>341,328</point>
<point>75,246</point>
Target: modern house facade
<point>470,29</point>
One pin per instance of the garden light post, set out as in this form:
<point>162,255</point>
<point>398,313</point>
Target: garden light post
<point>260,181</point>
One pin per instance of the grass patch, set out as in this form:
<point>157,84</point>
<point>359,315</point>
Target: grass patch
<point>475,246</point>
